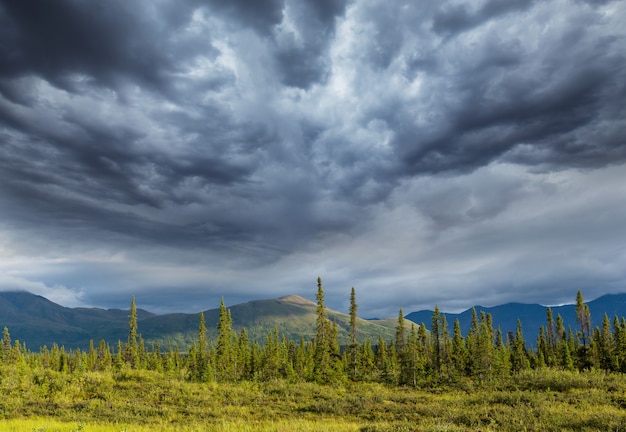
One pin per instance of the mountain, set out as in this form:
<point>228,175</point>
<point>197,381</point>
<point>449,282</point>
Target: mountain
<point>532,316</point>
<point>293,316</point>
<point>37,321</point>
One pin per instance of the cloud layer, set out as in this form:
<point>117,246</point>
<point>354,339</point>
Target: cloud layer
<point>183,151</point>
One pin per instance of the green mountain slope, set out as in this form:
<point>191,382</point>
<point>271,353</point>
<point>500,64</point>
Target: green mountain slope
<point>293,316</point>
<point>38,322</point>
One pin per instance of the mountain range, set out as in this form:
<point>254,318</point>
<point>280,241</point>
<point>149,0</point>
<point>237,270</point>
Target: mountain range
<point>37,321</point>
<point>532,316</point>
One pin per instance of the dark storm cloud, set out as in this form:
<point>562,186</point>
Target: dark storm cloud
<point>107,41</point>
<point>453,19</point>
<point>207,144</point>
<point>261,15</point>
<point>509,100</point>
<point>301,52</point>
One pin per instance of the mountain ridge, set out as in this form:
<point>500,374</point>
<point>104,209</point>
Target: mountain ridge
<point>37,321</point>
<point>531,315</point>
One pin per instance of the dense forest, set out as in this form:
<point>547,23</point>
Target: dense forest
<point>416,355</point>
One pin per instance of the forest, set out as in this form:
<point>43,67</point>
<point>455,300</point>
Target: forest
<point>426,378</point>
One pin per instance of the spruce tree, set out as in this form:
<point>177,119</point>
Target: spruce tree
<point>132,344</point>
<point>199,356</point>
<point>6,344</point>
<point>224,349</point>
<point>323,361</point>
<point>243,355</point>
<point>551,339</point>
<point>584,321</point>
<point>435,334</point>
<point>519,356</point>
<point>400,332</point>
<point>459,351</point>
<point>367,360</point>
<point>354,350</point>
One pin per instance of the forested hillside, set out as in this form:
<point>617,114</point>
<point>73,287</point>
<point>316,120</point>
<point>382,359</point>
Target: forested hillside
<point>414,352</point>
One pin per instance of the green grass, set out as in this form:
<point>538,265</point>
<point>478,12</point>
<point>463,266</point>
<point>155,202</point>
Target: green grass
<point>543,400</point>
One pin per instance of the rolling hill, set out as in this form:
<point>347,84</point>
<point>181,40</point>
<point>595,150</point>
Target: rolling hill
<point>38,322</point>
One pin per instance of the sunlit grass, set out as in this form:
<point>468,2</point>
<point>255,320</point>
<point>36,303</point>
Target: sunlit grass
<point>52,425</point>
<point>543,400</point>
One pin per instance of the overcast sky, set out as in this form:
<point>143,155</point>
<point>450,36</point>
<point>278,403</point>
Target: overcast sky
<point>425,152</point>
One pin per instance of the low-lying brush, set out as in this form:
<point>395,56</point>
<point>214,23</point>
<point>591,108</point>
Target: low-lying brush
<point>544,399</point>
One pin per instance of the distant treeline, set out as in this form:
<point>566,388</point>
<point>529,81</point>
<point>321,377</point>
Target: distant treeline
<point>414,356</point>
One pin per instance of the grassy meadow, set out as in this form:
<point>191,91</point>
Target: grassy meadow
<point>130,400</point>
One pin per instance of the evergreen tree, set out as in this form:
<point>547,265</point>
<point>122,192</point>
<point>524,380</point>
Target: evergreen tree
<point>132,344</point>
<point>224,361</point>
<point>243,355</point>
<point>502,360</point>
<point>584,321</point>
<point>606,344</point>
<point>519,356</point>
<point>324,362</point>
<point>483,352</point>
<point>560,329</point>
<point>104,361</point>
<point>413,366</point>
<point>445,346</point>
<point>551,339</point>
<point>400,332</point>
<point>367,361</point>
<point>435,334</point>
<point>459,351</point>
<point>619,341</point>
<point>199,355</point>
<point>354,349</point>
<point>6,345</point>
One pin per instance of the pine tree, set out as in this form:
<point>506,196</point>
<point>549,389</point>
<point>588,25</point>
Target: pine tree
<point>400,332</point>
<point>560,329</point>
<point>199,356</point>
<point>483,353</point>
<point>367,361</point>
<point>607,359</point>
<point>354,349</point>
<point>243,355</point>
<point>6,345</point>
<point>459,351</point>
<point>323,359</point>
<point>435,334</point>
<point>619,341</point>
<point>584,320</point>
<point>132,345</point>
<point>413,366</point>
<point>519,356</point>
<point>551,339</point>
<point>445,347</point>
<point>224,349</point>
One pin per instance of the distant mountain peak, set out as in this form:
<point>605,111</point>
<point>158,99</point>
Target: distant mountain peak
<point>296,299</point>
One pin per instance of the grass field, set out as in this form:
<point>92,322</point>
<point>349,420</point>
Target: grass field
<point>543,400</point>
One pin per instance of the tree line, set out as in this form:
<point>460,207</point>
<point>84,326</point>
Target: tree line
<point>416,354</point>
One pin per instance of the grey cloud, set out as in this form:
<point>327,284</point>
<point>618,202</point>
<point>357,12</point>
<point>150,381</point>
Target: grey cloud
<point>261,15</point>
<point>301,47</point>
<point>106,41</point>
<point>454,19</point>
<point>514,96</point>
<point>374,144</point>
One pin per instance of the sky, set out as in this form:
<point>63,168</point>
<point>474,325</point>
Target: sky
<point>450,153</point>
